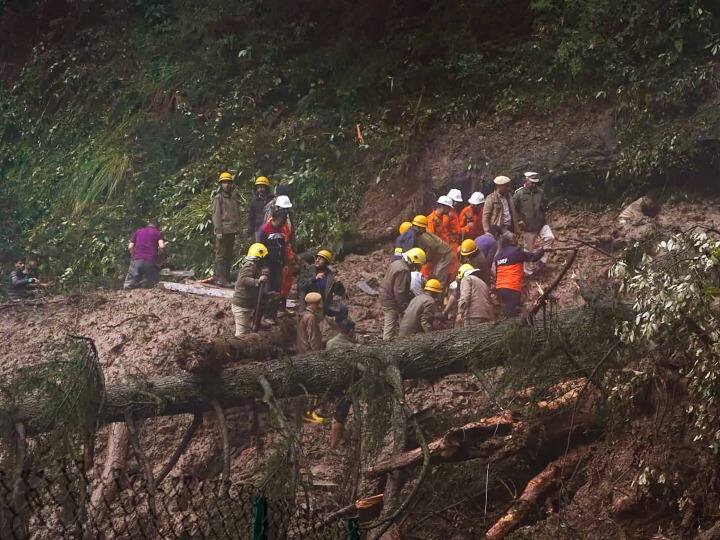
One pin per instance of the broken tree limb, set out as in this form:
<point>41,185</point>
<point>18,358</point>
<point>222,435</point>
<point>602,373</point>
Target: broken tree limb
<point>198,288</point>
<point>200,356</point>
<point>147,471</point>
<point>180,450</point>
<point>540,302</point>
<point>536,491</point>
<point>430,355</point>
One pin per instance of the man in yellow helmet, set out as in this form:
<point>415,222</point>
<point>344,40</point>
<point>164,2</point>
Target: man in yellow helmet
<point>403,242</point>
<point>474,304</point>
<point>470,254</point>
<point>247,288</point>
<point>256,208</point>
<point>439,254</point>
<point>422,310</point>
<point>226,226</point>
<point>323,281</point>
<point>395,290</point>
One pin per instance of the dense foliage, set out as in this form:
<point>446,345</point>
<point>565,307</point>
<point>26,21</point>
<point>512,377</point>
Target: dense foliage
<point>676,306</point>
<point>121,109</point>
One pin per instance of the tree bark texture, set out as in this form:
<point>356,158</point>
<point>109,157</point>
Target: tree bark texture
<point>429,355</point>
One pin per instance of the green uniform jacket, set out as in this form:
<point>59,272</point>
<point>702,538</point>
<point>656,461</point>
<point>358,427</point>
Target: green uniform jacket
<point>419,315</point>
<point>395,288</point>
<point>247,286</point>
<point>435,249</point>
<point>226,214</point>
<point>530,205</point>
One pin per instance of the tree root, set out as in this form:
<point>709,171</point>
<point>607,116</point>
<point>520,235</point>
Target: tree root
<point>180,450</point>
<point>147,470</point>
<point>222,425</point>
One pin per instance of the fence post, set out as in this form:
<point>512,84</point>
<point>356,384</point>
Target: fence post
<point>259,531</point>
<point>353,528</point>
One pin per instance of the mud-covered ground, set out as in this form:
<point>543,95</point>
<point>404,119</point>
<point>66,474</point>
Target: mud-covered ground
<point>135,333</point>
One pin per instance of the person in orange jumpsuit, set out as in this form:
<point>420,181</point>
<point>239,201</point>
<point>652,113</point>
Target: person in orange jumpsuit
<point>470,219</point>
<point>443,223</point>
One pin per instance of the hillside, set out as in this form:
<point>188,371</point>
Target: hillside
<point>121,109</point>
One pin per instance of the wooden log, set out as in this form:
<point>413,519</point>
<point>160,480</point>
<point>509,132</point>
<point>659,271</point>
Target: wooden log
<point>201,356</point>
<point>536,491</point>
<point>429,355</point>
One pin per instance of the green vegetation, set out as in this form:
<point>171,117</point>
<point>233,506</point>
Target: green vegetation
<point>130,108</point>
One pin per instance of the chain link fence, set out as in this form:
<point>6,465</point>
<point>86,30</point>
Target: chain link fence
<point>60,502</point>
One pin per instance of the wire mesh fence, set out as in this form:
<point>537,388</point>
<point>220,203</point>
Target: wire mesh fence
<point>60,502</point>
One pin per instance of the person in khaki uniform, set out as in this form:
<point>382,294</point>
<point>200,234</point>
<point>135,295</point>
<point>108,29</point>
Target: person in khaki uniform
<point>474,304</point>
<point>438,253</point>
<point>395,290</point>
<point>423,310</point>
<point>226,226</point>
<point>309,336</point>
<point>470,254</point>
<point>247,288</point>
<point>499,209</point>
<point>530,207</point>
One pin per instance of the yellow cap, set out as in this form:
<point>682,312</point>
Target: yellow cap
<point>262,181</point>
<point>464,269</point>
<point>325,254</point>
<point>433,285</point>
<point>416,255</point>
<point>468,247</point>
<point>313,298</point>
<point>420,221</point>
<point>404,226</point>
<point>257,251</point>
<point>398,251</point>
<point>225,177</point>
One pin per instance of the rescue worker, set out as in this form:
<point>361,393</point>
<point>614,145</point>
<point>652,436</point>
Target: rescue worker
<point>21,283</point>
<point>530,208</point>
<point>273,235</point>
<point>639,212</point>
<point>395,290</point>
<point>453,217</point>
<point>344,339</point>
<point>422,310</point>
<point>407,239</point>
<point>323,281</point>
<point>282,202</point>
<point>440,223</point>
<point>309,336</point>
<point>398,251</point>
<point>487,243</point>
<point>256,208</point>
<point>509,273</point>
<point>144,246</point>
<point>470,254</point>
<point>499,208</point>
<point>470,218</point>
<point>439,254</point>
<point>456,197</point>
<point>247,288</point>
<point>281,190</point>
<point>474,304</point>
<point>226,226</point>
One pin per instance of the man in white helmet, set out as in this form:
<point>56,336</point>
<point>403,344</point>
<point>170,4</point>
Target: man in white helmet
<point>499,209</point>
<point>470,218</point>
<point>531,207</point>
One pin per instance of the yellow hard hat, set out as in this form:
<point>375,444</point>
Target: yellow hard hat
<point>416,255</point>
<point>464,269</point>
<point>433,285</point>
<point>225,177</point>
<point>468,247</point>
<point>398,251</point>
<point>313,298</point>
<point>420,221</point>
<point>262,181</point>
<point>325,254</point>
<point>404,226</point>
<point>257,251</point>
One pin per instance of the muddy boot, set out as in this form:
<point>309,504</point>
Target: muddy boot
<point>336,433</point>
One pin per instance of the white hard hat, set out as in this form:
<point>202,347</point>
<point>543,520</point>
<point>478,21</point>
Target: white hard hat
<point>283,201</point>
<point>455,195</point>
<point>477,198</point>
<point>453,286</point>
<point>532,176</point>
<point>501,180</point>
<point>445,200</point>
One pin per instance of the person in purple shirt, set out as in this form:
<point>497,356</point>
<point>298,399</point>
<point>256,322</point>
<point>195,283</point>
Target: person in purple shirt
<point>487,243</point>
<point>145,245</point>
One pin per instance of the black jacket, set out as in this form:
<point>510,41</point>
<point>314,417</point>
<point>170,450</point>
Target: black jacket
<point>18,286</point>
<point>256,214</point>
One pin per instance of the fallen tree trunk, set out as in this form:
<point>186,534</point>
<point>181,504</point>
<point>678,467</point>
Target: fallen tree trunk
<point>200,356</point>
<point>429,355</point>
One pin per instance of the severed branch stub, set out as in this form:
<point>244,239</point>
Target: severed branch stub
<point>536,491</point>
<point>222,426</point>
<point>180,450</point>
